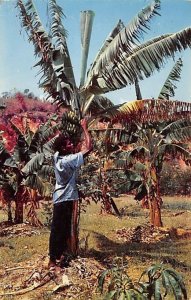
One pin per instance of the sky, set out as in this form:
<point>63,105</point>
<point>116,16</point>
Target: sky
<point>17,54</point>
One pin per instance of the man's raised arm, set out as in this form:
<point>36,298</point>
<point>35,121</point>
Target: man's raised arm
<point>87,145</point>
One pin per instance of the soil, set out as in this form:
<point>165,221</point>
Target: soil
<point>33,280</point>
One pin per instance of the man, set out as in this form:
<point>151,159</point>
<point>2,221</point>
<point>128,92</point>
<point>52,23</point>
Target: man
<point>63,241</point>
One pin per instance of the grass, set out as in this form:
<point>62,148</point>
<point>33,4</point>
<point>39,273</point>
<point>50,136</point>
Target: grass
<point>100,232</point>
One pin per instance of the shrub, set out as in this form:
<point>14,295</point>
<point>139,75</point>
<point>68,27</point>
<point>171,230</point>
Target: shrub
<point>175,180</point>
<point>160,282</point>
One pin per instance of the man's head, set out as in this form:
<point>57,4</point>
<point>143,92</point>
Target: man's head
<point>64,145</point>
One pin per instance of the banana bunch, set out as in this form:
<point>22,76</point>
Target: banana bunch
<point>70,123</point>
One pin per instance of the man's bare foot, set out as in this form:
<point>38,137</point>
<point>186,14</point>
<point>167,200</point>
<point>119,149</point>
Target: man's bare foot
<point>51,264</point>
<point>54,268</point>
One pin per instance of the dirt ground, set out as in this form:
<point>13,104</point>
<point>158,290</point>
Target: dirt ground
<point>23,263</point>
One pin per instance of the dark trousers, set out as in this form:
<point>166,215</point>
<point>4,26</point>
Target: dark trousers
<point>64,230</point>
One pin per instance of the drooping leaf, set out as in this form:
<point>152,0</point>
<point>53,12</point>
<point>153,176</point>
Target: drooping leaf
<point>34,164</point>
<point>151,110</point>
<point>5,156</point>
<point>141,63</point>
<point>46,171</point>
<point>122,43</point>
<point>35,182</point>
<point>57,74</point>
<point>20,153</point>
<point>169,86</point>
<point>166,282</point>
<point>157,290</point>
<point>179,130</point>
<point>47,147</point>
<point>58,32</point>
<point>107,42</point>
<point>179,286</point>
<point>101,280</point>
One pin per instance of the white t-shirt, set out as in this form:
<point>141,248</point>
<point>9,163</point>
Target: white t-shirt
<point>65,168</point>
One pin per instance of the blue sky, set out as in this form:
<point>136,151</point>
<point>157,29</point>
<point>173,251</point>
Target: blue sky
<point>17,56</point>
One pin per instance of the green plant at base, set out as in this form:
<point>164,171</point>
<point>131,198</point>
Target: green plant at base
<point>167,279</point>
<point>160,280</point>
<point>121,286</point>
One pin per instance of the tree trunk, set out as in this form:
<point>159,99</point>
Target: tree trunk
<point>155,200</point>
<point>18,211</point>
<point>106,203</point>
<point>155,211</point>
<point>9,212</point>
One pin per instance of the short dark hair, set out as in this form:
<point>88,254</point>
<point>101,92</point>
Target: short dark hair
<point>60,141</point>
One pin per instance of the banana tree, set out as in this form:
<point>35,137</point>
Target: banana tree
<point>121,61</point>
<point>24,170</point>
<point>144,160</point>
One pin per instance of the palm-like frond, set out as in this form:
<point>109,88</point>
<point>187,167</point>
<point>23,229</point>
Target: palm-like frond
<point>33,25</point>
<point>35,182</point>
<point>142,62</point>
<point>42,44</point>
<point>20,153</point>
<point>174,149</point>
<point>46,171</point>
<point>169,86</point>
<point>34,164</point>
<point>151,114</point>
<point>151,110</point>
<point>107,42</point>
<point>98,105</point>
<point>57,75</point>
<point>58,32</point>
<point>44,133</point>
<point>61,57</point>
<point>123,42</point>
<point>177,131</point>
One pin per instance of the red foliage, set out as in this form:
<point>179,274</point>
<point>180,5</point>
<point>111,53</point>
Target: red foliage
<point>20,104</point>
<point>8,136</point>
<point>23,112</point>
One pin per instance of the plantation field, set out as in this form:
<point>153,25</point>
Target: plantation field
<point>102,238</point>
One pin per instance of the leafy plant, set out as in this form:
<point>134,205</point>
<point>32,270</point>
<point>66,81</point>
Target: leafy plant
<point>143,160</point>
<point>164,279</point>
<point>161,281</point>
<point>121,61</point>
<point>120,285</point>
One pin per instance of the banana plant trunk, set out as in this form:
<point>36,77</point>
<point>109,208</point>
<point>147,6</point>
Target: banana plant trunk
<point>9,212</point>
<point>155,212</point>
<point>19,211</point>
<point>155,200</point>
<point>19,205</point>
